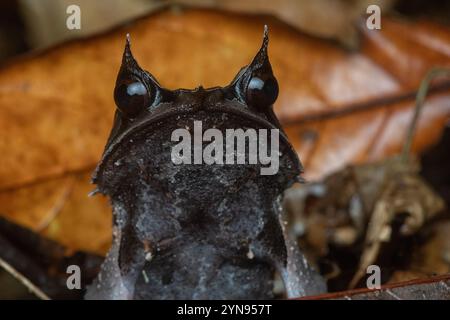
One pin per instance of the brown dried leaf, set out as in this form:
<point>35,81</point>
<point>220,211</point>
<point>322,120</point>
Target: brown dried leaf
<point>362,208</point>
<point>403,192</point>
<point>60,209</point>
<point>437,288</point>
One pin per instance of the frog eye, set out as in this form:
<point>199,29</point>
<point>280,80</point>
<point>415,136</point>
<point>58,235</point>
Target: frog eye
<point>262,91</point>
<point>255,84</point>
<point>136,89</point>
<point>131,97</point>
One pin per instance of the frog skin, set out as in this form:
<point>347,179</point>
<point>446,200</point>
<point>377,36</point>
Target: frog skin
<point>195,231</point>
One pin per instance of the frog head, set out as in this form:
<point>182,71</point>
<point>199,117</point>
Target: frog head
<point>195,178</point>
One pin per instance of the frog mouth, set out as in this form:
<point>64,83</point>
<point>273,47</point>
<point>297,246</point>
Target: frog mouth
<point>160,116</point>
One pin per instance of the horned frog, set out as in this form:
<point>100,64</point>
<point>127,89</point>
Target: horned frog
<point>196,231</point>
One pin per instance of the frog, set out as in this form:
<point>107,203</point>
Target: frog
<point>196,231</point>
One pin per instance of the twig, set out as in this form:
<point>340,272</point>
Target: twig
<point>27,283</point>
<point>420,99</point>
<point>57,208</point>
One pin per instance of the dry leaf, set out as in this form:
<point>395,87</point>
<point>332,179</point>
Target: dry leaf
<point>60,209</point>
<point>436,288</point>
<point>404,196</point>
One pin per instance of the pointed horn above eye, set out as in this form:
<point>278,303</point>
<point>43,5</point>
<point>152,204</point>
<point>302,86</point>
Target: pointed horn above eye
<point>259,66</point>
<point>128,60</point>
<point>261,59</point>
<point>130,67</point>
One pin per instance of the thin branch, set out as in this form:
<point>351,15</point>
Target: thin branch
<point>27,283</point>
<point>57,208</point>
<point>420,99</point>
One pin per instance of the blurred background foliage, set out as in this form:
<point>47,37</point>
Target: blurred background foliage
<point>29,24</point>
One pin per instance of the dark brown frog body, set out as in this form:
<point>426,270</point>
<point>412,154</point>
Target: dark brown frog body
<point>195,231</point>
